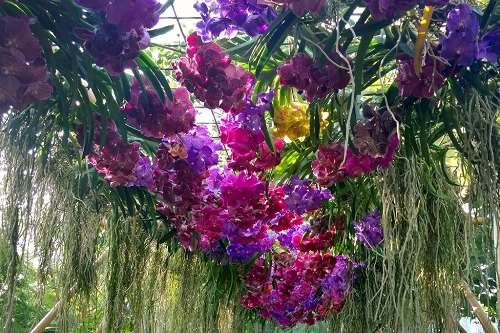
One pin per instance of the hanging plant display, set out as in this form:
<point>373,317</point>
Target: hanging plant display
<point>352,143</point>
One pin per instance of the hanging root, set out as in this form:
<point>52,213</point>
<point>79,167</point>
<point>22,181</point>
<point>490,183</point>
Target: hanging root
<point>480,138</point>
<point>413,287</point>
<point>43,206</point>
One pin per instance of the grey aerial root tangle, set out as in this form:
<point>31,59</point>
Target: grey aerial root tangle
<point>423,256</point>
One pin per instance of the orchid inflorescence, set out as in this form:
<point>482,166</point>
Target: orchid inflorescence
<point>231,213</point>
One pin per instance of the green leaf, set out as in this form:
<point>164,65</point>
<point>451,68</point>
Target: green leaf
<point>347,34</point>
<point>152,79</point>
<point>487,13</point>
<point>314,123</point>
<point>126,86</point>
<point>160,31</point>
<point>371,27</point>
<point>360,62</point>
<point>158,73</point>
<point>267,135</point>
<point>273,40</point>
<point>165,6</point>
<point>139,134</point>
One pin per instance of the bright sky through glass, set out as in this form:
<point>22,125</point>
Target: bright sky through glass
<point>188,17</point>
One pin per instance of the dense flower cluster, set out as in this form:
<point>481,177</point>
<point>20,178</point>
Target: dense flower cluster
<point>126,15</point>
<point>321,234</point>
<point>248,149</point>
<point>337,284</point>
<point>291,122</point>
<point>299,289</point>
<point>368,230</point>
<point>314,241</point>
<point>460,44</point>
<point>301,197</point>
<point>23,75</point>
<point>242,134</point>
<point>390,9</point>
<point>117,41</point>
<point>182,164</point>
<point>227,213</point>
<point>201,150</point>
<point>240,215</point>
<point>118,161</point>
<point>425,85</point>
<point>112,49</point>
<point>233,213</point>
<point>157,119</point>
<point>287,244</point>
<point>317,81</point>
<point>243,142</point>
<point>246,229</point>
<point>176,175</point>
<point>376,143</point>
<point>300,7</point>
<point>226,17</point>
<point>235,216</point>
<point>195,150</point>
<point>208,73</point>
<point>328,167</point>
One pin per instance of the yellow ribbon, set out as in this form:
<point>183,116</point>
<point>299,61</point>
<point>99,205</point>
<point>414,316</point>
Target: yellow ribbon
<point>423,29</point>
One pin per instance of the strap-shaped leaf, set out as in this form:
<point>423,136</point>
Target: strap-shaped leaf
<point>166,6</point>
<point>273,40</point>
<point>267,135</point>
<point>152,79</point>
<point>487,13</point>
<point>158,73</point>
<point>360,62</point>
<point>160,31</point>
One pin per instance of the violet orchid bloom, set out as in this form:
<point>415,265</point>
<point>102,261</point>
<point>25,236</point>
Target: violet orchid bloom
<point>208,73</point>
<point>301,197</point>
<point>225,18</point>
<point>369,230</point>
<point>300,7</point>
<point>303,74</point>
<point>129,15</point>
<point>157,119</point>
<point>391,9</point>
<point>23,75</point>
<point>430,80</point>
<point>489,46</point>
<point>116,160</point>
<point>460,43</point>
